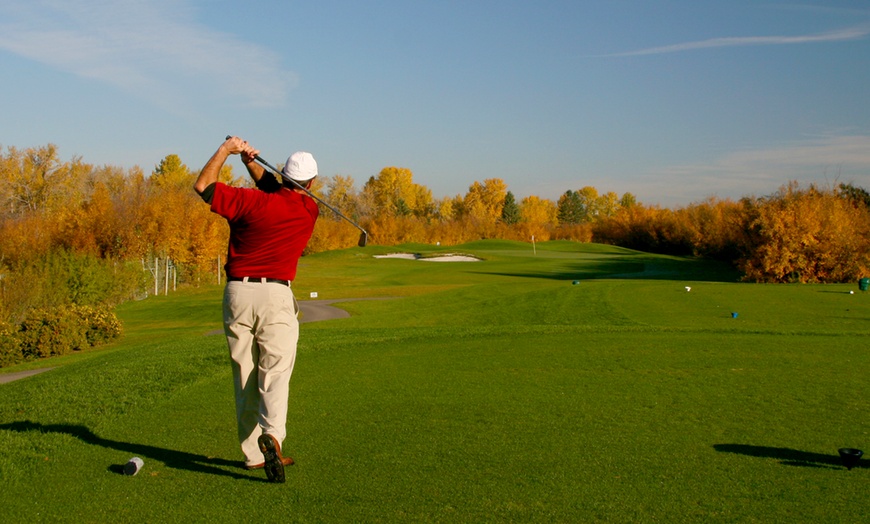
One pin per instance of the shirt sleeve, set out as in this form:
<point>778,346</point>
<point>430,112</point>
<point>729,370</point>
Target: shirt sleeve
<point>268,183</point>
<point>208,193</point>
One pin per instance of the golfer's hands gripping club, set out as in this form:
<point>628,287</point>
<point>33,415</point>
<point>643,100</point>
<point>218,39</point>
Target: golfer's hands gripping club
<point>236,146</point>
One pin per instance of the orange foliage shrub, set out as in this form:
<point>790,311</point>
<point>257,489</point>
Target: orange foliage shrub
<point>646,229</point>
<point>451,232</point>
<point>807,235</point>
<point>390,230</point>
<point>575,232</point>
<point>332,234</point>
<point>716,228</point>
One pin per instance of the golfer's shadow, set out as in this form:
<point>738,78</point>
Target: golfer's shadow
<point>786,456</point>
<point>170,457</point>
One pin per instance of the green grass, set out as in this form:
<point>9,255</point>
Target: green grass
<point>477,392</point>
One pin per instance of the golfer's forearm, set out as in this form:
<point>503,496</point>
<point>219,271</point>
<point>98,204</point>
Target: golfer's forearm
<point>255,170</point>
<point>209,173</point>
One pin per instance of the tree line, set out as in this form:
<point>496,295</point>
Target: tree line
<point>78,233</point>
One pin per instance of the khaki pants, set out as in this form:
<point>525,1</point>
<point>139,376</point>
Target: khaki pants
<point>262,330</point>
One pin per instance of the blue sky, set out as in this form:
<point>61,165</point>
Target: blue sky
<point>674,101</point>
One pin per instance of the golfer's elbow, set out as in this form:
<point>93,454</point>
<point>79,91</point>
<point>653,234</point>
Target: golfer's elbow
<point>202,183</point>
<point>206,192</point>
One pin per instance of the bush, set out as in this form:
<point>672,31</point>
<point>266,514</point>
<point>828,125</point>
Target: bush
<point>62,277</point>
<point>48,332</point>
<point>102,325</point>
<point>10,345</point>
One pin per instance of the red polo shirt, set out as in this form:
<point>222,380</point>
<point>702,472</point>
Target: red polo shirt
<point>268,231</point>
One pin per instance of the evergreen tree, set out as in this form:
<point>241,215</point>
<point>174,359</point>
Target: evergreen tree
<point>510,213</point>
<point>628,200</point>
<point>570,208</point>
<point>856,194</point>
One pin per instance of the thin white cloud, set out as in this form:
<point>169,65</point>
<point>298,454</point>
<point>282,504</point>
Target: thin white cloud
<point>855,33</point>
<point>154,50</point>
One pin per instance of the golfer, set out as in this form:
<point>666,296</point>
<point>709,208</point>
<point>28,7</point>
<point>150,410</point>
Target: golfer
<point>269,228</point>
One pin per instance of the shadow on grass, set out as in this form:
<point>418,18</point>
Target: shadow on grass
<point>170,457</point>
<point>787,456</point>
<point>640,269</point>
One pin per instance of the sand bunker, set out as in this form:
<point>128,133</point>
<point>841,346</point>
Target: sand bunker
<point>441,258</point>
<point>409,256</point>
<point>451,258</point>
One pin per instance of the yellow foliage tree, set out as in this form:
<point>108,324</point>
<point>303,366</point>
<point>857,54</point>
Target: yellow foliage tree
<point>342,195</point>
<point>608,204</point>
<point>394,193</point>
<point>484,202</point>
<point>171,173</point>
<point>35,179</point>
<point>537,217</point>
<point>445,208</point>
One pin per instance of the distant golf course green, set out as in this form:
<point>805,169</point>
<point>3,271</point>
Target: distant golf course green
<point>572,383</point>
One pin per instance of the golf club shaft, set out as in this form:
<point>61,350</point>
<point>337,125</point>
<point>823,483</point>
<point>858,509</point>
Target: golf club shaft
<point>309,193</point>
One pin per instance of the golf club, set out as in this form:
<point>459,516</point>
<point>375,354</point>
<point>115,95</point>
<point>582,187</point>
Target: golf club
<point>363,237</point>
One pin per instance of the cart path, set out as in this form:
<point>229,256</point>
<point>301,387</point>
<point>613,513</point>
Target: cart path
<point>9,377</point>
<point>319,310</point>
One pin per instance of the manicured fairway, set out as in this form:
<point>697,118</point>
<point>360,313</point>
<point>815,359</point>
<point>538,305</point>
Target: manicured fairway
<point>490,391</point>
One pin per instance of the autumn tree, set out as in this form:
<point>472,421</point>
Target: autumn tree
<point>394,193</point>
<point>589,203</point>
<point>716,228</point>
<point>342,195</point>
<point>171,173</point>
<point>806,235</point>
<point>425,206</point>
<point>607,204</point>
<point>35,179</point>
<point>484,202</point>
<point>651,229</point>
<point>538,215</point>
<point>92,228</point>
<point>445,208</point>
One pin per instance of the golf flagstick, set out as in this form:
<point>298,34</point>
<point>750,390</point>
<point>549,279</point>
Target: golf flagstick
<point>363,237</point>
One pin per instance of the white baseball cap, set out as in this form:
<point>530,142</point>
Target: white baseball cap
<point>300,167</point>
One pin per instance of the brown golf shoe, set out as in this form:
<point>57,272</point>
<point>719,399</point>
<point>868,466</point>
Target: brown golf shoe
<point>288,461</point>
<point>274,464</point>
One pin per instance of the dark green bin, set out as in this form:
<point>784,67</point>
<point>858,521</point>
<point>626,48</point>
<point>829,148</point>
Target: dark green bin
<point>864,284</point>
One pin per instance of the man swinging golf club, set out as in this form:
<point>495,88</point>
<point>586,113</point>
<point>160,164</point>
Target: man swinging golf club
<point>269,228</point>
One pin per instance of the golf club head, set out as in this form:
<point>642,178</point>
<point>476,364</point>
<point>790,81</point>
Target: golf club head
<point>363,239</point>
